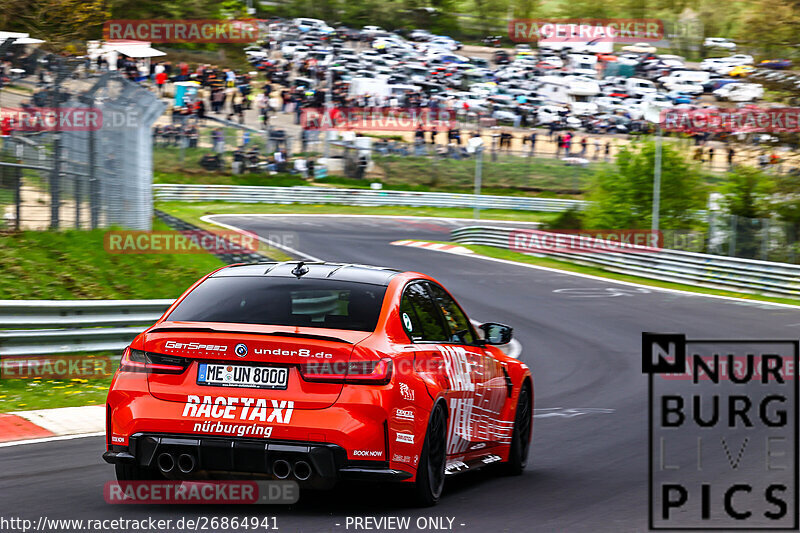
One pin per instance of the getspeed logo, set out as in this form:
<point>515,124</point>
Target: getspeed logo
<point>229,408</point>
<point>172,345</point>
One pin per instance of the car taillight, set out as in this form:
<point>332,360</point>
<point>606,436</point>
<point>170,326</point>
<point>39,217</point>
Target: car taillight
<point>370,372</point>
<point>152,363</point>
<point>361,372</point>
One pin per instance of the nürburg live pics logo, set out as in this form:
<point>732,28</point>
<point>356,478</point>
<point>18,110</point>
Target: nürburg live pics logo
<point>723,433</point>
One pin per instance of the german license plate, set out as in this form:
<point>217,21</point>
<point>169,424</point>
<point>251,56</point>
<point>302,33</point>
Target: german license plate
<point>249,377</point>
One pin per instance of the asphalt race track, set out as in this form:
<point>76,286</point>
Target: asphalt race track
<point>581,337</point>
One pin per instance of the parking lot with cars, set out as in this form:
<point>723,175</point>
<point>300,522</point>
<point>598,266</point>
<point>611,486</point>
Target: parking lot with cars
<point>584,89</point>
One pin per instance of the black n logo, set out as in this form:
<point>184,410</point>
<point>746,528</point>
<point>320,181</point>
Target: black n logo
<point>663,353</point>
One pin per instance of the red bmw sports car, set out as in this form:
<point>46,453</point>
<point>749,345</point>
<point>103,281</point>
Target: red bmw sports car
<point>318,372</point>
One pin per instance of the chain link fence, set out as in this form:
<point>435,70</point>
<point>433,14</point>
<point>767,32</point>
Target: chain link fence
<point>78,152</point>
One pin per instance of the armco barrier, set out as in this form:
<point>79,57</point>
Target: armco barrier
<point>715,271</point>
<point>360,197</point>
<point>84,325</point>
<point>85,318</point>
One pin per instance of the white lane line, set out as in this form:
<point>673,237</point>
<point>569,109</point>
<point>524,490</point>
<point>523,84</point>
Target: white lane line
<point>744,301</point>
<point>535,267</point>
<point>52,439</point>
<point>396,217</point>
<point>283,247</point>
<point>569,412</point>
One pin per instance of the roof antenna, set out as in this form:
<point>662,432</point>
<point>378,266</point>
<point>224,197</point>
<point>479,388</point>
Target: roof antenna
<point>300,270</point>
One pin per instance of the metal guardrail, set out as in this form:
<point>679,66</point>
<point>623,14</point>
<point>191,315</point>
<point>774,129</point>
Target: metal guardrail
<point>85,319</point>
<point>689,268</point>
<point>83,325</point>
<point>36,314</point>
<point>361,197</point>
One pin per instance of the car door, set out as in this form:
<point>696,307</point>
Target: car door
<point>426,329</point>
<point>471,404</point>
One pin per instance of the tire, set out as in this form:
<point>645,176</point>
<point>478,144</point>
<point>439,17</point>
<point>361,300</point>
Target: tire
<point>430,471</point>
<point>521,437</point>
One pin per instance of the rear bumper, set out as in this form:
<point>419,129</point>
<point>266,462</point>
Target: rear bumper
<point>329,462</point>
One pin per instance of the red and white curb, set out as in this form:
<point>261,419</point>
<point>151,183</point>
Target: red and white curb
<point>43,425</point>
<point>436,246</point>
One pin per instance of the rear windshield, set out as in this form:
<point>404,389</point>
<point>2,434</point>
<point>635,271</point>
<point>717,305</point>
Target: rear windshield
<point>283,302</point>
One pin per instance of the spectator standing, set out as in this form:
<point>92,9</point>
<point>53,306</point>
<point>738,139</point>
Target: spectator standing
<point>218,136</point>
<point>161,80</point>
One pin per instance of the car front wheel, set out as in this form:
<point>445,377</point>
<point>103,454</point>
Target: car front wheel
<point>521,437</point>
<point>430,471</point>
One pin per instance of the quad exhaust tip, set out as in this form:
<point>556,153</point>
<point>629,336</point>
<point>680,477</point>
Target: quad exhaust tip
<point>281,469</point>
<point>302,470</point>
<point>166,462</point>
<point>186,463</point>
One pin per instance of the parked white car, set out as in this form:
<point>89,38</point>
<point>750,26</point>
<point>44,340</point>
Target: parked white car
<point>639,86</point>
<point>714,63</point>
<point>609,104</point>
<point>684,87</point>
<point>685,76</point>
<point>640,48</point>
<point>740,92</point>
<point>372,30</point>
<point>657,99</point>
<point>550,113</point>
<point>739,59</point>
<point>719,42</point>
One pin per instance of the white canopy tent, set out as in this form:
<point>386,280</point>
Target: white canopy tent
<point>141,51</point>
<point>19,38</point>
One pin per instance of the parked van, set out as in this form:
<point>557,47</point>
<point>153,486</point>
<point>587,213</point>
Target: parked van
<point>307,24</point>
<point>685,76</point>
<point>583,65</point>
<point>575,92</point>
<point>639,87</point>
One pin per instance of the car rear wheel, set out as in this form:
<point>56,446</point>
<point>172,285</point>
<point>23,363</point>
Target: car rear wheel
<point>521,437</point>
<point>430,471</point>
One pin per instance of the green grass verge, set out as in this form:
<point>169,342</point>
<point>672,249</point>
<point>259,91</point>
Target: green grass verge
<point>500,253</point>
<point>191,211</point>
<point>29,394</point>
<point>509,176</point>
<point>74,264</point>
<point>513,174</point>
<point>193,216</point>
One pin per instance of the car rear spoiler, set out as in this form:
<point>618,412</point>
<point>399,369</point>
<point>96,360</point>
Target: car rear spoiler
<point>165,329</point>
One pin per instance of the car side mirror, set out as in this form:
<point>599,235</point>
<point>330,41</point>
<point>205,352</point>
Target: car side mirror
<point>494,333</point>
